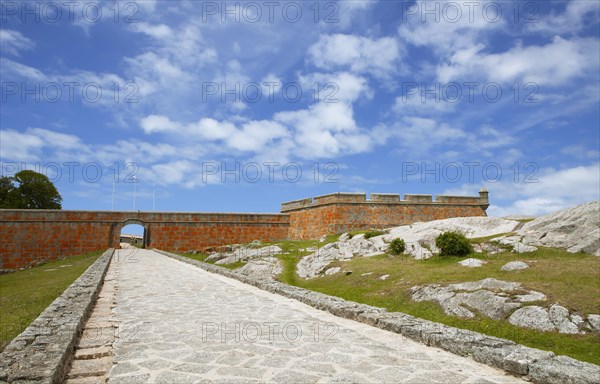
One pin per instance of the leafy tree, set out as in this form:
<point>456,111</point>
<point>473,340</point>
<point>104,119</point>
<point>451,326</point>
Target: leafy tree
<point>6,192</point>
<point>29,190</point>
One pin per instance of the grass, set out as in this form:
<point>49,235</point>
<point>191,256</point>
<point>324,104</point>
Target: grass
<point>25,294</point>
<point>572,280</point>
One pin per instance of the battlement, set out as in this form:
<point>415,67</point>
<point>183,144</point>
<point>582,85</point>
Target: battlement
<point>384,198</point>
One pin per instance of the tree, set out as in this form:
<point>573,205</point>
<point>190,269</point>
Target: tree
<point>29,190</point>
<point>7,192</point>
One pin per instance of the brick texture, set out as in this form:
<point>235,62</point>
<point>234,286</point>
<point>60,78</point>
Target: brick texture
<point>33,236</point>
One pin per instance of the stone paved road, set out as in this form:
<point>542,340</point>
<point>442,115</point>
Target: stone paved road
<point>180,324</point>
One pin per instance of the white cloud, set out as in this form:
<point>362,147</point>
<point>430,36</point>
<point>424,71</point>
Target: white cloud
<point>12,68</point>
<point>19,146</point>
<point>580,152</point>
<point>552,64</point>
<point>346,11</point>
<point>461,27</point>
<point>155,123</point>
<point>547,191</point>
<point>210,129</point>
<point>325,130</point>
<point>577,15</point>
<point>254,136</point>
<point>158,31</point>
<point>320,131</point>
<point>13,41</point>
<point>336,87</point>
<point>378,57</point>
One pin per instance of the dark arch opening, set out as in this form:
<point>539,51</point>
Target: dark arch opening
<point>134,233</point>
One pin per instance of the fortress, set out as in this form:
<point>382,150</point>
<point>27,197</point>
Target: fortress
<point>33,236</point>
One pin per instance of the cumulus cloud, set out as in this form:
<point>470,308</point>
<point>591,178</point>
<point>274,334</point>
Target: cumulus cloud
<point>577,15</point>
<point>331,88</point>
<point>158,31</point>
<point>552,64</point>
<point>378,57</point>
<point>546,191</point>
<point>461,27</point>
<point>320,131</point>
<point>155,123</point>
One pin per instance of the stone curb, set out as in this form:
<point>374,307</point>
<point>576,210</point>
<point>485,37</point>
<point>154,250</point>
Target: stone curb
<point>535,365</point>
<point>42,353</point>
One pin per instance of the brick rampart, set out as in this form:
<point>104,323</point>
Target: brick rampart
<point>33,236</point>
<point>341,212</point>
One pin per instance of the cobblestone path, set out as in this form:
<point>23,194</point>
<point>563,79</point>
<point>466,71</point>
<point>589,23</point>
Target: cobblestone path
<point>180,324</point>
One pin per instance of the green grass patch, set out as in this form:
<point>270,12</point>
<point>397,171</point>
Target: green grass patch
<point>572,280</point>
<point>202,257</point>
<point>25,294</point>
<point>481,240</point>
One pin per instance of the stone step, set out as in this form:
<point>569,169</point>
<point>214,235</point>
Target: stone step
<point>92,353</point>
<point>90,368</point>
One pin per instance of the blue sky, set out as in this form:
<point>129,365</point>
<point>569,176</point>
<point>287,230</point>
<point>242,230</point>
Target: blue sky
<point>218,107</point>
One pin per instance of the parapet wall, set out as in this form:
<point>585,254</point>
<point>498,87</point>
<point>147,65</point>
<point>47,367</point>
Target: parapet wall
<point>33,236</point>
<point>341,212</point>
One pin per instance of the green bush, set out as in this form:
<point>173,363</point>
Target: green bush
<point>397,246</point>
<point>370,234</point>
<point>453,244</point>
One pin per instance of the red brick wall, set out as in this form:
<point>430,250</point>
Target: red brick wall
<point>32,236</point>
<point>337,213</point>
<point>314,222</point>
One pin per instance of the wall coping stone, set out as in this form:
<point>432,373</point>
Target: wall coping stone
<point>535,365</point>
<point>42,353</point>
<point>350,198</point>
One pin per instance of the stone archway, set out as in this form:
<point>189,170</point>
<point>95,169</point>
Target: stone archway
<point>145,237</point>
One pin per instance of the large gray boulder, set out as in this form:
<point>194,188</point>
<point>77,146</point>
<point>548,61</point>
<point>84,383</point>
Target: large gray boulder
<point>245,253</point>
<point>533,317</point>
<point>420,237</point>
<point>497,299</point>
<point>316,263</point>
<point>485,296</point>
<point>265,268</point>
<point>515,266</point>
<point>542,319</point>
<point>574,229</point>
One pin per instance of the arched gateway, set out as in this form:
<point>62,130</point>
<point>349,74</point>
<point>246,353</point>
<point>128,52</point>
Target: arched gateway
<point>31,236</point>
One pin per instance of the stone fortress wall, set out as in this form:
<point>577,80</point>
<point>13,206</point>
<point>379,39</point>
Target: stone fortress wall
<point>29,237</point>
<point>341,212</point>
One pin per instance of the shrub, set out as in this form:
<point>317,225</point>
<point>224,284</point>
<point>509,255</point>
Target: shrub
<point>397,246</point>
<point>453,244</point>
<point>370,234</point>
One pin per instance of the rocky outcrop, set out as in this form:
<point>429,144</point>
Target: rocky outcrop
<point>575,229</point>
<point>497,299</point>
<point>556,318</point>
<point>244,253</point>
<point>515,243</point>
<point>471,263</point>
<point>420,237</point>
<point>266,268</point>
<point>515,266</point>
<point>346,248</point>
